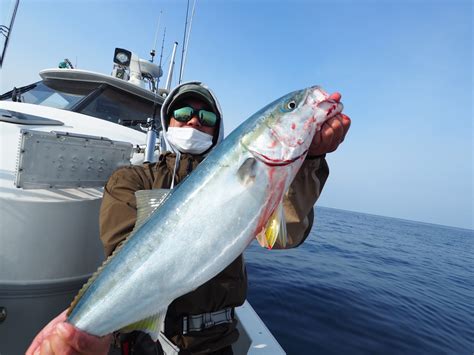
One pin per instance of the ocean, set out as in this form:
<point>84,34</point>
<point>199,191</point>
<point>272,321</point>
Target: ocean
<point>365,284</point>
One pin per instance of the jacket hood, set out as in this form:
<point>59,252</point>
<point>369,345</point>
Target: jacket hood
<point>173,96</point>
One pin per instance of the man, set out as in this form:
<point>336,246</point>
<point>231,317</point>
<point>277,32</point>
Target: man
<point>202,320</point>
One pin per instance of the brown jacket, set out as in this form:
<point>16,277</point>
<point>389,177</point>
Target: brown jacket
<point>227,289</point>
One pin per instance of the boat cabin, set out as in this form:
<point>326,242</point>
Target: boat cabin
<point>93,94</point>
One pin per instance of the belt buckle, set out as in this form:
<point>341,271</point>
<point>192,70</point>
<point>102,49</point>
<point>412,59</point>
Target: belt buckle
<point>206,325</point>
<point>207,321</point>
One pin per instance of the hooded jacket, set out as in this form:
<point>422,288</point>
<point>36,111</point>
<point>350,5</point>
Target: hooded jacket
<point>229,288</point>
<point>172,98</point>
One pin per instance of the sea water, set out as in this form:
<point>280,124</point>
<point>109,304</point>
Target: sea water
<point>365,284</point>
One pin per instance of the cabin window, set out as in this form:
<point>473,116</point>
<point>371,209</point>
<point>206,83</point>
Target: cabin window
<point>119,107</point>
<point>94,99</point>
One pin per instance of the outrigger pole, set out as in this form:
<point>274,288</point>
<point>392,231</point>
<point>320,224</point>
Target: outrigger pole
<point>6,31</point>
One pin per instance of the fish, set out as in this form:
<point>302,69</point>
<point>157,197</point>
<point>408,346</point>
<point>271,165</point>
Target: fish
<point>185,237</point>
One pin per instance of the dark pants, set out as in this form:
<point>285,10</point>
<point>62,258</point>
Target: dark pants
<point>138,343</point>
<point>224,351</point>
<point>135,343</point>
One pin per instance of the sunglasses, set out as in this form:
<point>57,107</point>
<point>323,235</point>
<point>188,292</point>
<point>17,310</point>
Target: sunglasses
<point>206,118</point>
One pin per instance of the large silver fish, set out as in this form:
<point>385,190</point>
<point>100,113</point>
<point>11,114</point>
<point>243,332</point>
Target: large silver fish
<point>233,196</point>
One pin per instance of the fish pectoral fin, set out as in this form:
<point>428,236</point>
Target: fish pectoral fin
<point>247,172</point>
<point>275,230</point>
<point>151,325</point>
<point>147,202</point>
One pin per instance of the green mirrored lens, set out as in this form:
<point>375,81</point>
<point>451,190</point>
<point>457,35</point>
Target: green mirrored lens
<point>183,114</point>
<point>207,118</point>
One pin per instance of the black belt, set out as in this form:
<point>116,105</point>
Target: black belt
<point>198,322</point>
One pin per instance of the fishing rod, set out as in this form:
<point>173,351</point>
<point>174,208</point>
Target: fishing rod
<point>186,40</point>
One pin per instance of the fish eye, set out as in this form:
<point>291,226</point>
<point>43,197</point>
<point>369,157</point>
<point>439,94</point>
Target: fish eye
<point>291,105</point>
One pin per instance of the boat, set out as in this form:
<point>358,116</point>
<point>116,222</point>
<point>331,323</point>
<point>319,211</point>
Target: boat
<point>61,138</point>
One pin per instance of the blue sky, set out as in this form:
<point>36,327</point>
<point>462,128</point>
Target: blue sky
<point>404,69</point>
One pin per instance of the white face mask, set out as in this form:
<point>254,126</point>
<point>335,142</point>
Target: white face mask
<point>189,140</point>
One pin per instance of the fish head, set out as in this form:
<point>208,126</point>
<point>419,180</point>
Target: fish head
<point>286,127</point>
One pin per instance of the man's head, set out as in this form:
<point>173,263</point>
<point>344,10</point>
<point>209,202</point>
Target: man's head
<point>192,119</point>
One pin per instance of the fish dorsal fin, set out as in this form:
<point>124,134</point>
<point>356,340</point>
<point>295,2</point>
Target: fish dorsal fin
<point>151,325</point>
<point>274,230</point>
<point>147,203</point>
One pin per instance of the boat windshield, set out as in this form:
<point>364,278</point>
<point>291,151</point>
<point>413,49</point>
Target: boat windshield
<point>54,93</point>
<point>93,99</point>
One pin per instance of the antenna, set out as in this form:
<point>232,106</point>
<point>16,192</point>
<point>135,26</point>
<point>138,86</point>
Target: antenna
<point>152,52</point>
<point>161,56</point>
<point>162,46</point>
